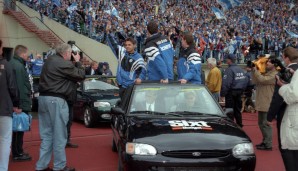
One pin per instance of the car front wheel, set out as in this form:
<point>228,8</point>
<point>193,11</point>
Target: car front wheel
<point>89,120</point>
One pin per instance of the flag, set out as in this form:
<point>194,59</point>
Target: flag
<point>218,13</point>
<point>72,7</point>
<point>257,12</point>
<point>294,35</point>
<point>291,6</point>
<point>245,20</point>
<point>228,4</point>
<point>57,3</point>
<point>295,20</point>
<point>163,6</point>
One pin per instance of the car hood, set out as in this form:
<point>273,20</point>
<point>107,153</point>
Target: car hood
<point>186,134</point>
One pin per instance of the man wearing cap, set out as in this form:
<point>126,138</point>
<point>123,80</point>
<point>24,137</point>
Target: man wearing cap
<point>234,82</point>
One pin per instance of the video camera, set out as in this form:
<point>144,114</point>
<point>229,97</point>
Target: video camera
<point>74,49</point>
<point>284,73</point>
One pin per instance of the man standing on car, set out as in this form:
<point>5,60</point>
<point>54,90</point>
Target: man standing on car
<point>189,64</point>
<point>264,84</point>
<point>234,83</point>
<point>18,63</point>
<point>159,55</point>
<point>56,85</point>
<point>9,102</point>
<point>131,67</point>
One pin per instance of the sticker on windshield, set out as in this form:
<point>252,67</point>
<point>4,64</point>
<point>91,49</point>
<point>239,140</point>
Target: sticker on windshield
<point>195,125</point>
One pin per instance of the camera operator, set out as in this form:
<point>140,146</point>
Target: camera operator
<point>264,84</point>
<point>56,86</point>
<point>278,106</point>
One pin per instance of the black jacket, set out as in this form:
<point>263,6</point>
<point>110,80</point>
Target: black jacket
<point>8,89</point>
<point>88,71</point>
<point>58,77</point>
<point>278,106</point>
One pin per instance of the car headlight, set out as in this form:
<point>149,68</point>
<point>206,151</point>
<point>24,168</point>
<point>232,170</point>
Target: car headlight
<point>243,149</point>
<point>102,104</point>
<point>140,149</point>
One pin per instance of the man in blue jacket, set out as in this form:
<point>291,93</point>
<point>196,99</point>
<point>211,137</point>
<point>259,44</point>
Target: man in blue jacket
<point>234,82</point>
<point>159,54</point>
<point>37,65</point>
<point>131,67</point>
<point>189,63</point>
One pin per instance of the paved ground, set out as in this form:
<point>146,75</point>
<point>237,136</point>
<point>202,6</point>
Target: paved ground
<point>94,152</point>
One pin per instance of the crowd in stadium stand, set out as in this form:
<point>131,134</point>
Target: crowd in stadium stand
<point>263,23</point>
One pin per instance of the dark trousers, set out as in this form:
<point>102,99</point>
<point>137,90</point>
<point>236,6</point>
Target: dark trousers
<point>17,143</point>
<point>233,100</point>
<point>69,123</point>
<point>290,158</point>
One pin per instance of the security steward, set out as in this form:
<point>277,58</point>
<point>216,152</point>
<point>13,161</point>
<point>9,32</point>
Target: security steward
<point>234,82</point>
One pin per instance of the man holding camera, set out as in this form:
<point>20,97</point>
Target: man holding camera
<point>278,106</point>
<point>58,77</point>
<point>264,84</point>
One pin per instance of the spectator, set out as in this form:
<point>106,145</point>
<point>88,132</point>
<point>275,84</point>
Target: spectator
<point>52,102</point>
<point>234,82</point>
<point>104,68</point>
<point>18,63</point>
<point>93,69</point>
<point>214,79</point>
<point>9,103</point>
<point>189,64</point>
<point>159,55</point>
<point>264,84</point>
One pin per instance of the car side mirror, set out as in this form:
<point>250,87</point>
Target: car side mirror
<point>117,111</point>
<point>229,112</point>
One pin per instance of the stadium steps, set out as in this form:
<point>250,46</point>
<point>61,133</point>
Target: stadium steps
<point>45,35</point>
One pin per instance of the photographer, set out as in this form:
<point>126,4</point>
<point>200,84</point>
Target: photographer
<point>56,86</point>
<point>288,128</point>
<point>278,106</point>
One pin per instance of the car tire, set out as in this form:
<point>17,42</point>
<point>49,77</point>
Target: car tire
<point>114,147</point>
<point>120,162</point>
<point>89,120</point>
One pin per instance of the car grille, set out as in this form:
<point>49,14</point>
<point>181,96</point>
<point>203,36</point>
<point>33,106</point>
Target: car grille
<point>230,168</point>
<point>195,154</point>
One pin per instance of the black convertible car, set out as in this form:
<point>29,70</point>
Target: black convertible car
<point>94,101</point>
<point>174,127</point>
<point>95,97</point>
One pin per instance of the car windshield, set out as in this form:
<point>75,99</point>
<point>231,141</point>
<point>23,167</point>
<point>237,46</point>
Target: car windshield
<point>94,84</point>
<point>174,100</point>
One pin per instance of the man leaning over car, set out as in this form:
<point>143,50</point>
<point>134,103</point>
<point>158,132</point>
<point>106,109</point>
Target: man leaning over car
<point>55,86</point>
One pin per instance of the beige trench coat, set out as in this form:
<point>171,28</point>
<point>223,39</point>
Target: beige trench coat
<point>264,89</point>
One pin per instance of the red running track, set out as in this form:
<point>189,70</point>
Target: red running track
<point>94,152</point>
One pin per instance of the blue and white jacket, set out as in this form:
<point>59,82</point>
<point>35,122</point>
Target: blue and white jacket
<point>189,66</point>
<point>159,54</point>
<point>130,67</point>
